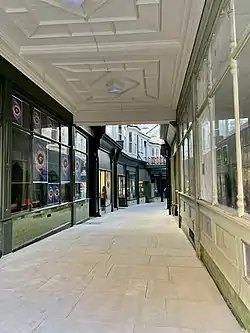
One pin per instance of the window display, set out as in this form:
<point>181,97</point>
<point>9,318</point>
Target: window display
<point>80,166</point>
<point>105,188</point>
<point>80,175</point>
<point>157,187</point>
<point>102,189</point>
<point>108,187</point>
<point>121,187</point>
<point>141,189</point>
<point>36,153</point>
<point>20,182</point>
<point>131,186</point>
<point>65,174</point>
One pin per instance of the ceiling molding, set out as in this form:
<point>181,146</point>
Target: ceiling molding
<point>40,80</point>
<point>142,46</point>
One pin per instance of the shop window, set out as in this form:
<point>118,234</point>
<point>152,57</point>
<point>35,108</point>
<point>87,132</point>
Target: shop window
<point>242,16</point>
<point>220,45</point>
<point>191,165</point>
<point>80,175</point>
<point>244,86</point>
<point>65,174</point>
<point>157,187</point>
<point>53,174</point>
<point>131,187</point>
<point>40,172</point>
<point>202,83</point>
<point>141,189</point>
<point>105,188</point>
<point>205,156</point>
<point>121,187</point>
<point>50,127</point>
<point>80,142</point>
<point>102,188</point>
<point>247,259</point>
<point>186,166</point>
<point>108,187</point>
<point>37,153</point>
<point>80,166</point>
<point>224,135</point>
<point>182,166</point>
<point>20,181</point>
<point>21,113</point>
<point>65,135</point>
<point>46,174</point>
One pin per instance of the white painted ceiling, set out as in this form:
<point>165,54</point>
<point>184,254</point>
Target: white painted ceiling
<point>74,51</point>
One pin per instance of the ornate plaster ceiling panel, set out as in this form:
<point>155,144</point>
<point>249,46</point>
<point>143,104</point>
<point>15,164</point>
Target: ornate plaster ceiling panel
<point>81,49</point>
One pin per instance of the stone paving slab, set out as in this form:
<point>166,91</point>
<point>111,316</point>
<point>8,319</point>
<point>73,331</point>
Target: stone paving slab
<point>132,271</point>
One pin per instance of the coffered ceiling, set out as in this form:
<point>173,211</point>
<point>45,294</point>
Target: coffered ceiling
<point>80,51</point>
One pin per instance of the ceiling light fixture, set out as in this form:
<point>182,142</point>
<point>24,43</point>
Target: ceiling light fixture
<point>114,87</point>
<point>76,3</point>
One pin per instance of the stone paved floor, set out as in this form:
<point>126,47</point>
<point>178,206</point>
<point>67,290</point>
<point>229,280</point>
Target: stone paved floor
<point>132,271</point>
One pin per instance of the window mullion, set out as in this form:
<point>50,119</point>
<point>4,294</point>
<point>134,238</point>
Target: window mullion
<point>234,72</point>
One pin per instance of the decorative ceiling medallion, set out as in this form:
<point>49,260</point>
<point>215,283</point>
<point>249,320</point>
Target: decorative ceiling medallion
<point>84,8</point>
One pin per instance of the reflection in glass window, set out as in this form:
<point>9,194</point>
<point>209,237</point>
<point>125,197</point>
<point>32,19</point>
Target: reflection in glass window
<point>21,112</point>
<point>205,157</point>
<point>80,175</point>
<point>221,44</point>
<point>65,135</point>
<point>191,165</point>
<point>80,142</point>
<point>244,88</point>
<point>186,167</point>
<point>46,174</point>
<point>49,127</point>
<point>53,163</point>
<point>247,260</point>
<point>33,153</point>
<point>40,172</point>
<point>202,84</point>
<point>224,133</point>
<point>182,167</point>
<point>65,174</point>
<point>20,182</point>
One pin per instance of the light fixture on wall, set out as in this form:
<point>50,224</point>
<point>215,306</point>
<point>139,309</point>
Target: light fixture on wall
<point>114,87</point>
